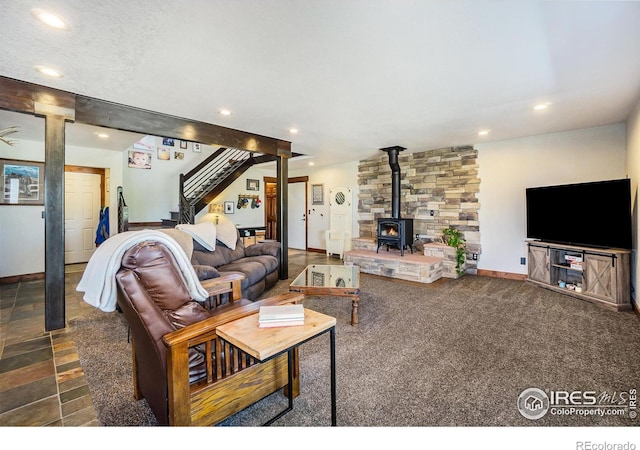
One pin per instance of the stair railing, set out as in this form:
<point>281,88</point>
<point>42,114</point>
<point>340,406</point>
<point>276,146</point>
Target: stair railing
<point>196,184</point>
<point>123,212</point>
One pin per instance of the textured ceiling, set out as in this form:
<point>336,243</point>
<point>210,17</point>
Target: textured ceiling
<point>353,76</point>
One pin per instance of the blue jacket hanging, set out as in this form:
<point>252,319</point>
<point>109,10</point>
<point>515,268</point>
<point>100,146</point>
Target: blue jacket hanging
<point>102,233</point>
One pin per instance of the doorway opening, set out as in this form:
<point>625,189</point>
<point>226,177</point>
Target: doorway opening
<point>297,211</point>
<point>85,194</point>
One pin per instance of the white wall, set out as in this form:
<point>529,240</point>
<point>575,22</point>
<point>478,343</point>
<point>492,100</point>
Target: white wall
<point>339,175</point>
<point>22,227</point>
<point>151,194</point>
<point>243,217</point>
<point>633,167</point>
<point>507,168</point>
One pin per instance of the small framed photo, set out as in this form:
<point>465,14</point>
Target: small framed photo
<point>164,154</point>
<point>253,185</point>
<point>167,141</point>
<point>317,194</point>
<point>196,147</point>
<point>183,144</point>
<point>228,207</point>
<point>178,155</point>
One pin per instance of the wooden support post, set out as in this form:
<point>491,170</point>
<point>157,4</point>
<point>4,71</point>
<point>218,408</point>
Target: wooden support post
<point>282,197</point>
<point>54,305</point>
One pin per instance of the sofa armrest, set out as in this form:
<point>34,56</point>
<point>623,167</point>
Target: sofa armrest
<point>205,272</point>
<point>231,283</point>
<point>263,248</point>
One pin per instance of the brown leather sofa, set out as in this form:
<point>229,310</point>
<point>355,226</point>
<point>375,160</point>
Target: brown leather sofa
<point>188,375</point>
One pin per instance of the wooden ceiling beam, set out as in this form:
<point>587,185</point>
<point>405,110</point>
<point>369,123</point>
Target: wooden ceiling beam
<point>112,115</point>
<point>30,98</point>
<point>24,97</point>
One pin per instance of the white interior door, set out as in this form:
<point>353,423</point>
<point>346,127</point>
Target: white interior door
<point>297,216</point>
<point>338,237</point>
<point>81,214</point>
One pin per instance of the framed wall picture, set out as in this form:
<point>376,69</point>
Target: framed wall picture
<point>168,142</point>
<point>139,159</point>
<point>317,194</point>
<point>253,185</point>
<point>183,144</point>
<point>23,182</point>
<point>164,154</point>
<point>196,147</point>
<point>228,207</point>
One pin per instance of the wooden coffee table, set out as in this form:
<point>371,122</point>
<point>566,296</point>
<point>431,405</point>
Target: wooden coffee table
<point>340,281</point>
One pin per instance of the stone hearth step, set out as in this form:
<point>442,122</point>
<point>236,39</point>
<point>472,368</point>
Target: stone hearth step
<point>448,256</point>
<point>411,267</point>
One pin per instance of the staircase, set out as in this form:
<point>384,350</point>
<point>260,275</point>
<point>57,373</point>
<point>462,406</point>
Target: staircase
<point>173,221</point>
<point>209,179</point>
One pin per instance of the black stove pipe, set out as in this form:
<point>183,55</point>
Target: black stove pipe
<point>395,179</point>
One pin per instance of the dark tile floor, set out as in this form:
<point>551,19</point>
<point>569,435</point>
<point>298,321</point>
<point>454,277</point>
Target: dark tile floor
<point>41,380</point>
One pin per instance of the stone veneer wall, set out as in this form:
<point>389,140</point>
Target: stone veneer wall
<point>438,189</point>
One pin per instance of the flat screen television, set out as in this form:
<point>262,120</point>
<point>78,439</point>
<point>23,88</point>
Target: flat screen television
<point>596,214</point>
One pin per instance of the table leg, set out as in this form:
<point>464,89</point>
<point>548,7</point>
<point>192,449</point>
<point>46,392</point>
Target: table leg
<point>354,310</point>
<point>290,387</point>
<point>333,376</point>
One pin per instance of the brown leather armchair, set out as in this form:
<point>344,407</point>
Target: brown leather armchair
<point>187,374</point>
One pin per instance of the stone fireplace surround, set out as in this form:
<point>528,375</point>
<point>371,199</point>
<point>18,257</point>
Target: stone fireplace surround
<point>438,189</point>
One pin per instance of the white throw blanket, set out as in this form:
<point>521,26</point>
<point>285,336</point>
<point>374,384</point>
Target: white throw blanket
<point>99,281</point>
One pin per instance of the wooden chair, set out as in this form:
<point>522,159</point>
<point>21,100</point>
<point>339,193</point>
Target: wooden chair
<point>186,373</point>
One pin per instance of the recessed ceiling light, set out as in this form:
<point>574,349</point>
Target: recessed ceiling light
<point>49,19</point>
<point>102,135</point>
<point>311,163</point>
<point>483,132</point>
<point>225,112</point>
<point>293,130</point>
<point>49,71</point>
<point>541,106</point>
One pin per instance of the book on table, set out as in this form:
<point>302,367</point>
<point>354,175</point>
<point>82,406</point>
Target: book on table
<point>281,316</point>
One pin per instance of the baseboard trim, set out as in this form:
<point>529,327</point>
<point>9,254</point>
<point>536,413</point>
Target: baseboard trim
<point>20,278</point>
<point>145,224</point>
<point>316,250</point>
<point>498,274</point>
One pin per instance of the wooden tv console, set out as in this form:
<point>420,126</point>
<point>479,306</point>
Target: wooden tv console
<point>604,274</point>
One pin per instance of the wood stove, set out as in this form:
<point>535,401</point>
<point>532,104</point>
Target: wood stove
<point>395,231</point>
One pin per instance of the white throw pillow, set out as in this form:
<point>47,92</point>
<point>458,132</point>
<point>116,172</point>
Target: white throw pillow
<point>204,233</point>
<point>227,233</point>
